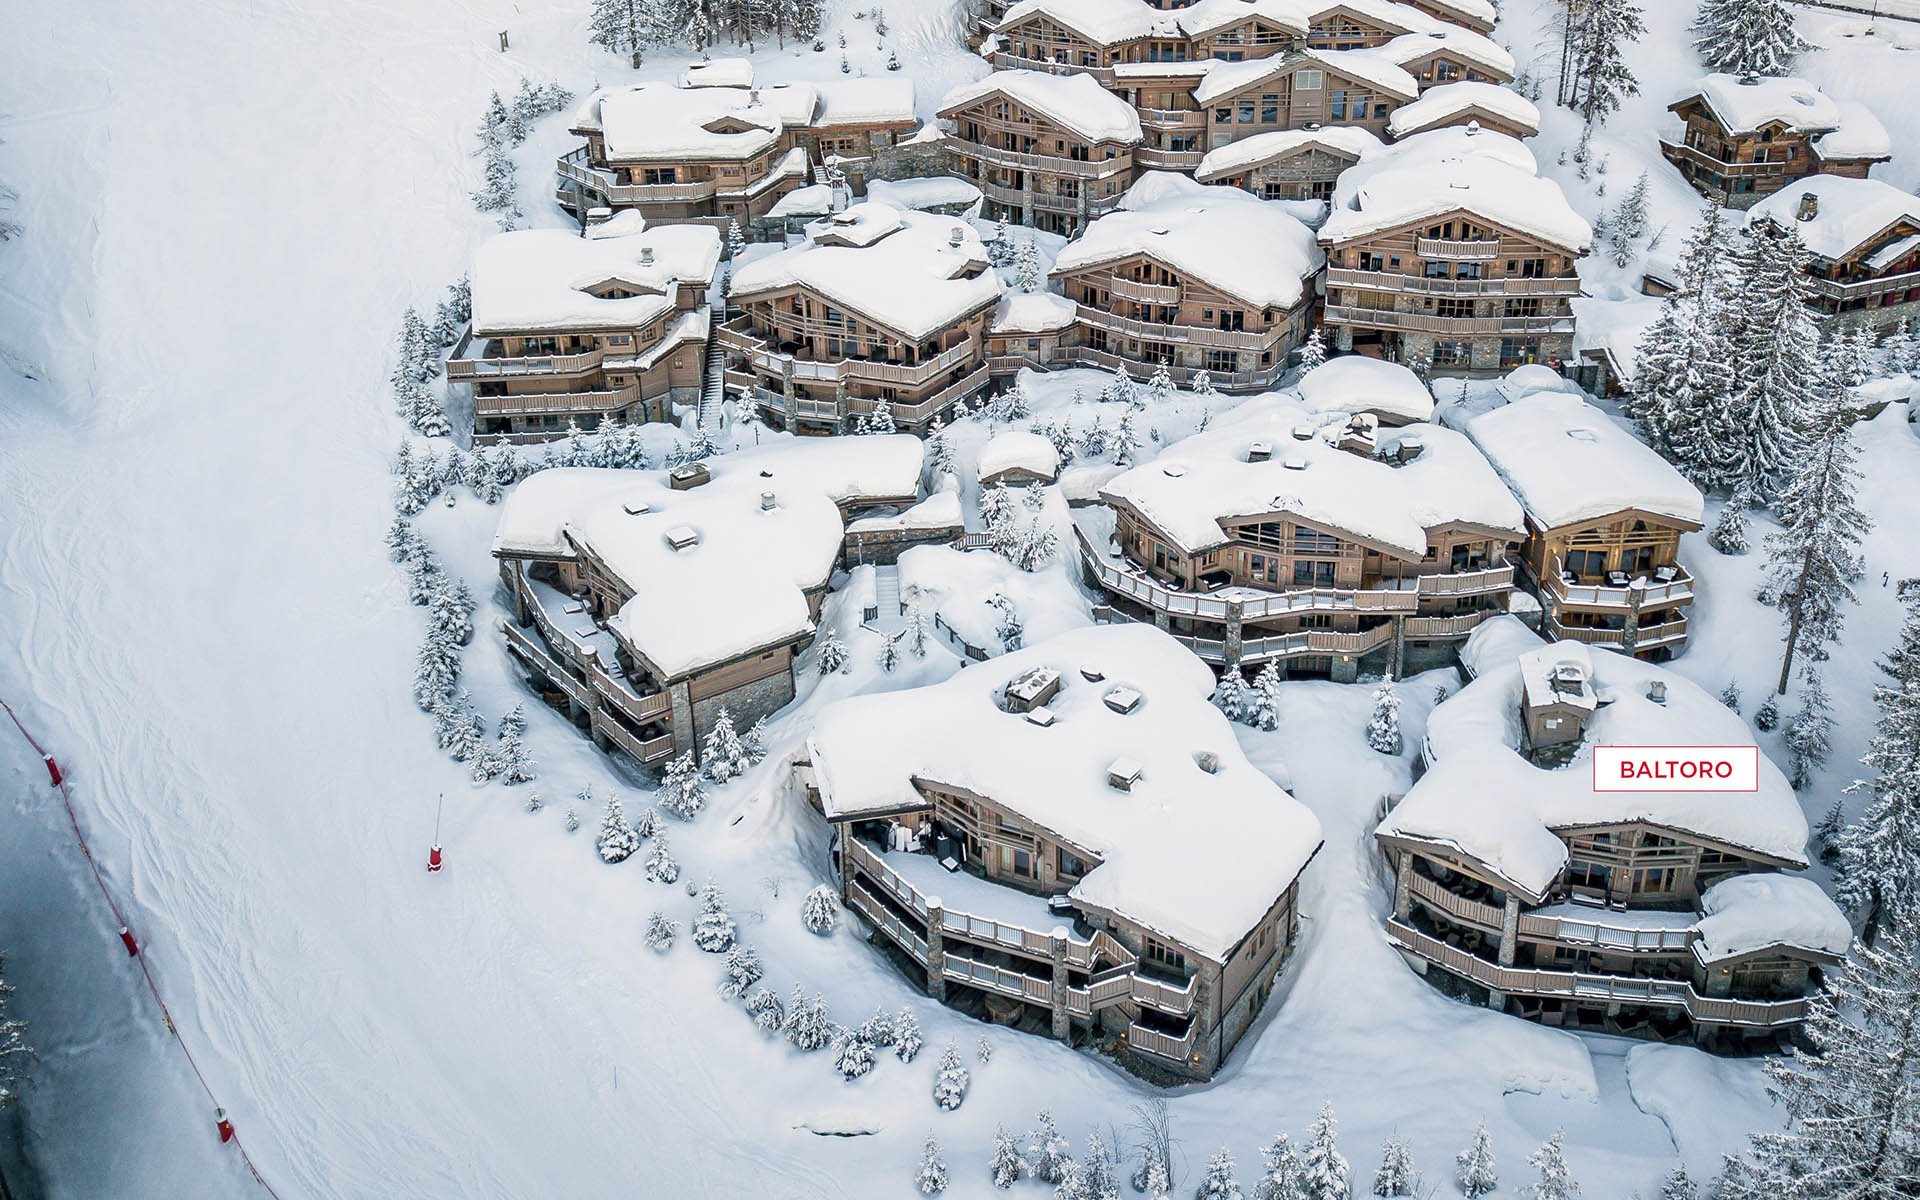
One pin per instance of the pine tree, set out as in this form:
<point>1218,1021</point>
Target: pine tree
<point>683,793</point>
<point>916,633</point>
<point>807,1026</point>
<point>1396,1175</point>
<point>620,26</point>
<point>1313,351</point>
<point>457,727</point>
<point>1730,695</point>
<point>660,865</point>
<point>889,652</point>
<point>755,741</point>
<point>1323,1168</point>
<point>1475,1172</point>
<point>1603,32</point>
<point>1027,271</point>
<point>1679,1186</point>
<point>1126,442</point>
<point>950,1083</point>
<point>1006,1166</point>
<point>660,932</point>
<point>726,754</point>
<point>1383,728</point>
<point>437,671</point>
<point>1853,1106</point>
<point>742,972</point>
<point>1263,699</point>
<point>820,911</point>
<point>1814,561</point>
<point>713,930</point>
<point>1010,629</point>
<point>907,1039</point>
<point>881,419</point>
<point>1280,1177</point>
<point>833,657</point>
<point>1630,223</point>
<point>931,1178</point>
<point>1767,716</point>
<point>983,1050</point>
<point>1729,532</point>
<point>1219,1182</point>
<point>1810,732</point>
<point>767,1011</point>
<point>878,1029</point>
<point>1772,336</point>
<point>616,841</point>
<point>1097,1178</point>
<point>1231,696</point>
<point>1880,853</point>
<point>1048,1154</point>
<point>1684,371</point>
<point>1556,1178</point>
<point>498,187</point>
<point>516,766</point>
<point>1747,37</point>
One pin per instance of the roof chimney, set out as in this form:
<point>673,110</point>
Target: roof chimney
<point>598,216</point>
<point>1473,127</point>
<point>955,238</point>
<point>646,256</point>
<point>1809,206</point>
<point>767,502</point>
<point>1657,691</point>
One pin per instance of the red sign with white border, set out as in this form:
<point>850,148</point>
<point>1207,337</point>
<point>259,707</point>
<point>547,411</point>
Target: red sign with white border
<point>1676,768</point>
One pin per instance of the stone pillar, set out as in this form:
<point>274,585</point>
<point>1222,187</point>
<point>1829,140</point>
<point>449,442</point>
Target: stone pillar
<point>1061,1020</point>
<point>680,718</point>
<point>597,730</point>
<point>510,574</point>
<point>789,403</point>
<point>936,950</point>
<point>1635,592</point>
<point>1161,620</point>
<point>1235,637</point>
<point>1346,669</point>
<point>1343,339</point>
<point>1403,885</point>
<point>1509,930</point>
<point>1399,652</point>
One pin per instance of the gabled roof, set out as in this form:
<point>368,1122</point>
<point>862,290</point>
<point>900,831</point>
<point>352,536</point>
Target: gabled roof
<point>1746,104</point>
<point>1447,103</point>
<point>1073,102</point>
<point>1442,171</point>
<point>543,279</point>
<point>1850,214</point>
<point>1245,154</point>
<point>1458,44</point>
<point>1570,463</point>
<point>1363,66</point>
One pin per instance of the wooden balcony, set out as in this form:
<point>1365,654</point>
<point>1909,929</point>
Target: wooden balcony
<point>1680,152</point>
<point>574,168</point>
<point>1601,934</point>
<point>1173,118</point>
<point>1179,335</point>
<point>607,683</point>
<point>1397,282</point>
<point>1039,164</point>
<point>1385,318</point>
<point>1468,583</point>
<point>1152,1041</point>
<point>1437,896</point>
<point>530,649</point>
<point>1154,158</point>
<point>1064,357</point>
<point>1145,293</point>
<point>645,753</point>
<point>1474,249</point>
<point>528,403</point>
<point>466,370</point>
<point>1004,61</point>
<point>1644,593</point>
<point>1862,289</point>
<point>1459,625</point>
<point>883,918</point>
<point>757,348</point>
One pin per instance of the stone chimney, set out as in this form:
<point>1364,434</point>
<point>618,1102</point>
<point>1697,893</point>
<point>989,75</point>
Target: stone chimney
<point>1809,207</point>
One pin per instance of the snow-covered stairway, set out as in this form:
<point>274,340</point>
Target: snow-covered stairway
<point>713,380</point>
<point>886,592</point>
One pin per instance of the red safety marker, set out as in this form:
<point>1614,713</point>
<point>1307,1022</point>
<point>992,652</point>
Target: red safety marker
<point>225,1126</point>
<point>433,859</point>
<point>126,939</point>
<point>433,852</point>
<point>53,769</point>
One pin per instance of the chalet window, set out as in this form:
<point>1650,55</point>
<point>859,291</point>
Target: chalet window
<point>1337,104</point>
<point>1516,352</point>
<point>1452,354</point>
<point>1246,112</point>
<point>1307,573</point>
<point>1587,562</point>
<point>1222,361</point>
<point>1070,864</point>
<point>1312,541</point>
<point>1257,567</point>
<point>1016,862</point>
<point>1222,115</point>
<point>1164,955</point>
<point>658,174</point>
<point>1269,109</point>
<point>1307,81</point>
<point>1267,533</point>
<point>1452,306</point>
<point>1587,874</point>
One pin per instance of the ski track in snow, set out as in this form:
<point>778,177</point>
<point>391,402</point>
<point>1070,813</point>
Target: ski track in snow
<point>228,207</point>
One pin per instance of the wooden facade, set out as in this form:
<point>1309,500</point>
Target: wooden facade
<point>1740,168</point>
<point>1299,91</point>
<point>1304,171</point>
<point>1459,291</point>
<point>1034,171</point>
<point>1614,581</point>
<point>1875,282</point>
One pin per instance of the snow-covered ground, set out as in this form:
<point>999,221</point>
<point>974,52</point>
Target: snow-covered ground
<point>227,207</point>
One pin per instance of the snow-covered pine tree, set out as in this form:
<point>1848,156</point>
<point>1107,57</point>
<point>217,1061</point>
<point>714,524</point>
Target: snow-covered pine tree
<point>1684,371</point>
<point>1219,1182</point>
<point>1313,351</point>
<point>833,655</point>
<point>726,754</point>
<point>1629,223</point>
<point>1027,272</point>
<point>1126,441</point>
<point>10,227</point>
<point>1048,1154</point>
<point>1880,852</point>
<point>889,657</point>
<point>1604,30</point>
<point>498,187</point>
<point>1809,731</point>
<point>1231,696</point>
<point>808,1027</point>
<point>1000,521</point>
<point>1006,1166</point>
<point>1747,37</point>
<point>1383,728</point>
<point>1814,560</point>
<point>1555,1180</point>
<point>1777,394</point>
<point>1474,1165</point>
<point>907,1038</point>
<point>742,971</point>
<point>767,1011</point>
<point>1729,532</point>
<point>1010,629</point>
<point>516,765</point>
<point>1098,1179</point>
<point>1160,390</point>
<point>1767,716</point>
<point>820,910</point>
<point>401,540</point>
<point>450,611</point>
<point>458,727</point>
<point>713,930</point>
<point>417,481</point>
<point>881,419</point>
<point>683,793</point>
<point>1396,1175</point>
<point>950,1082</point>
<point>983,1050</point>
<point>755,741</point>
<point>437,671</point>
<point>1730,695</point>
<point>616,841</point>
<point>661,930</point>
<point>1323,1169</point>
<point>931,1178</point>
<point>415,360</point>
<point>1679,1186</point>
<point>853,1055</point>
<point>1853,1106</point>
<point>659,863</point>
<point>878,1029</point>
<point>917,631</point>
<point>1279,1171</point>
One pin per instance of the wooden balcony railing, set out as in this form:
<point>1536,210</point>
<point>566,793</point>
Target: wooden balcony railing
<point>1005,61</point>
<point>1154,1042</point>
<point>1458,625</point>
<point>573,168</point>
<point>461,370</point>
<point>529,647</point>
<point>1648,592</point>
<point>1677,151</point>
<point>1395,281</point>
<point>740,337</point>
<point>1040,164</point>
<point>1064,357</point>
<point>1145,293</point>
<point>1155,158</point>
<point>883,918</point>
<point>643,752</point>
<point>1473,912</point>
<point>1599,933</point>
<point>1180,335</point>
<point>1456,248</point>
<point>1387,318</point>
<point>1468,583</point>
<point>524,403</point>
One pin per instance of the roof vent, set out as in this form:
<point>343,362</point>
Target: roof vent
<point>1260,452</point>
<point>1041,716</point>
<point>1162,230</point>
<point>1657,691</point>
<point>1123,774</point>
<point>1092,674</point>
<point>646,256</point>
<point>1809,207</point>
<point>955,238</point>
<point>683,537</point>
<point>1409,448</point>
<point>1311,125</point>
<point>1437,34</point>
<point>1580,433</point>
<point>1032,689</point>
<point>1294,463</point>
<point>598,216</point>
<point>1174,471</point>
<point>634,508</point>
<point>768,502</point>
<point>1473,127</point>
<point>1749,81</point>
<point>1122,699</point>
<point>1568,677</point>
<point>688,475</point>
<point>1303,433</point>
<point>1207,761</point>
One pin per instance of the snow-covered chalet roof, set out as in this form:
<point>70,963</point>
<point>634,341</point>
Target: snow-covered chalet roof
<point>1357,383</point>
<point>1481,796</point>
<point>538,279</point>
<point>1495,642</point>
<point>1248,153</point>
<point>742,584</point>
<point>1018,449</point>
<point>1480,12</point>
<point>1073,102</point>
<point>1758,912</point>
<point>1206,17</point>
<point>1450,170</point>
<point>902,270</point>
<point>718,72</point>
<point>1861,135</point>
<point>1105,22</point>
<point>1458,44</point>
<point>1849,214</point>
<point>1197,856</point>
<point>875,101</point>
<point>1442,105</point>
<point>1743,105</point>
<point>1247,247</point>
<point>1569,462</point>
<point>937,191</point>
<point>656,122</point>
<point>1367,66</point>
<point>1032,312</point>
<point>1199,482</point>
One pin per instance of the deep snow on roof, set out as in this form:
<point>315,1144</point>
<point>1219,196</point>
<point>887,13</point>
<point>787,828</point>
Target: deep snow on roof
<point>1032,312</point>
<point>1197,856</point>
<point>1246,153</point>
<point>1861,135</point>
<point>1481,796</point>
<point>1850,211</point>
<point>1074,102</point>
<point>1104,21</point>
<point>1366,66</point>
<point>1568,462</point>
<point>1462,45</point>
<point>530,279</point>
<point>1223,236</point>
<point>656,122</point>
<point>879,101</point>
<point>718,72</point>
<point>1756,912</point>
<point>1357,383</point>
<point>1446,170</point>
<point>1743,105</point>
<point>1440,105</point>
<point>1018,449</point>
<point>904,272</point>
<point>742,584</point>
<point>1202,480</point>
